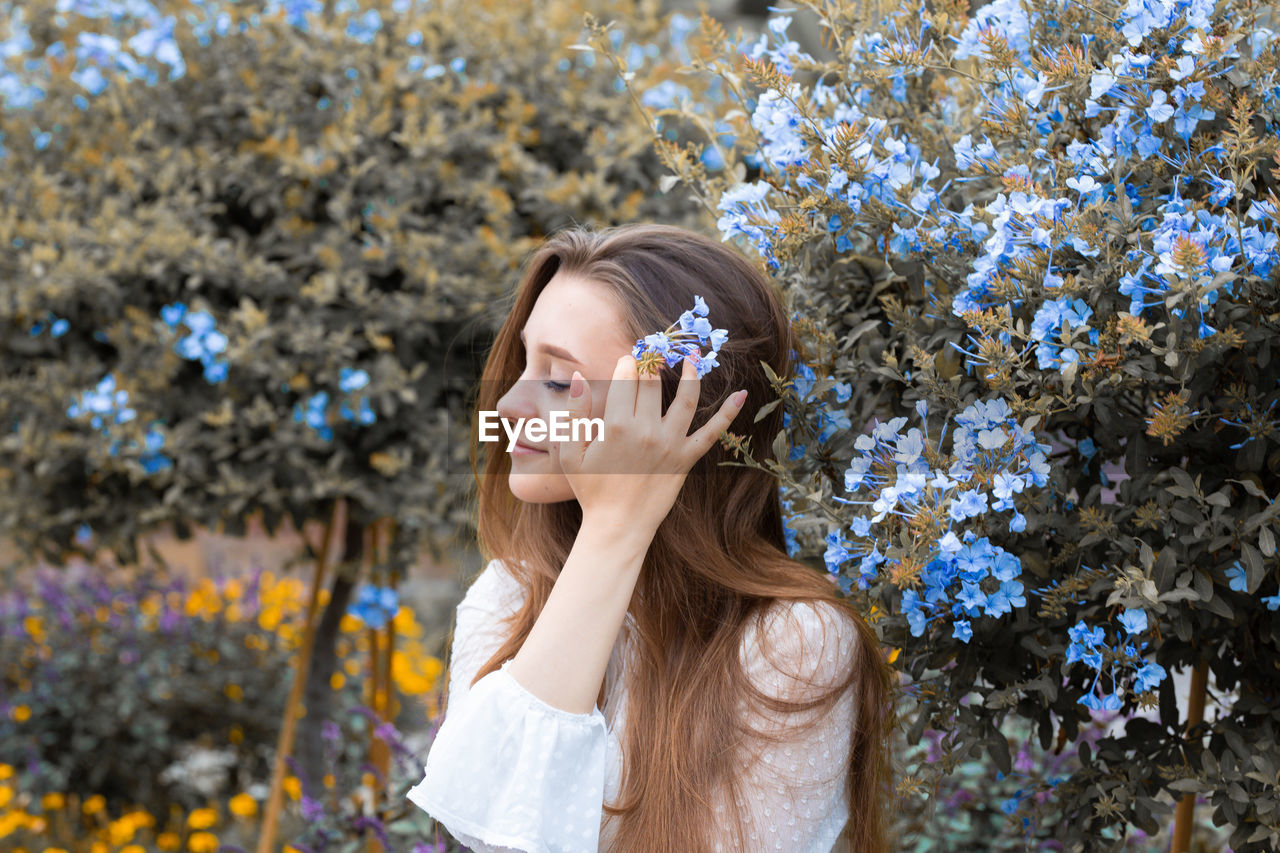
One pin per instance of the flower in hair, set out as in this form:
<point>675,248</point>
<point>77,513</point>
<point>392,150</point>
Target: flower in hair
<point>685,337</point>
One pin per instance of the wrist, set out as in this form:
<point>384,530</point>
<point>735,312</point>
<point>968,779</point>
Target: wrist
<point>618,529</point>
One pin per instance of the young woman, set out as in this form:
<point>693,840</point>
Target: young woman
<point>640,666</point>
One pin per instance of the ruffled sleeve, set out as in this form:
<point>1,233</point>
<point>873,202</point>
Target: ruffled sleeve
<point>794,791</point>
<point>507,772</point>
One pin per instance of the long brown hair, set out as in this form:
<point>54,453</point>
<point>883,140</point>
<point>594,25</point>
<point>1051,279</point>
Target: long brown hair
<point>717,560</point>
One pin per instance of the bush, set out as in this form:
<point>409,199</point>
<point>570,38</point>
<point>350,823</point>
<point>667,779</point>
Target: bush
<point>1032,250</point>
<point>151,706</point>
<point>254,250</point>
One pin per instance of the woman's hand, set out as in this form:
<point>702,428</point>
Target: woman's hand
<point>632,476</point>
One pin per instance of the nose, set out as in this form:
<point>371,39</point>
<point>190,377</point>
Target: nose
<point>519,401</point>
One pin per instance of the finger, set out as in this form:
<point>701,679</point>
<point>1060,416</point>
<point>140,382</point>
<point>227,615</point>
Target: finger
<point>620,401</point>
<point>567,455</point>
<point>700,442</point>
<point>685,404</point>
<point>649,397</point>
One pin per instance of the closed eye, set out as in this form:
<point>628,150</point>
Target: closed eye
<point>558,387</point>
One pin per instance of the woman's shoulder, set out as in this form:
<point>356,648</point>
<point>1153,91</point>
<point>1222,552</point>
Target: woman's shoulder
<point>494,585</point>
<point>813,640</point>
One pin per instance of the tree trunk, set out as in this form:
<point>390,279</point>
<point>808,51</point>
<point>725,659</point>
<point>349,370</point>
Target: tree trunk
<point>324,662</point>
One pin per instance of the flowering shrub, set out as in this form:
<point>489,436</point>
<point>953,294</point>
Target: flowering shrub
<point>256,243</point>
<point>1051,229</point>
<point>145,712</point>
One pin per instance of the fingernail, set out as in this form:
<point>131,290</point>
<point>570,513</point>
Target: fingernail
<point>576,385</point>
<point>740,397</point>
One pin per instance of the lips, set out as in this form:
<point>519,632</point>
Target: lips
<point>527,449</point>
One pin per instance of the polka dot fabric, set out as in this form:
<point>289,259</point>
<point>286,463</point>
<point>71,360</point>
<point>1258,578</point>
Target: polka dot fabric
<point>507,772</point>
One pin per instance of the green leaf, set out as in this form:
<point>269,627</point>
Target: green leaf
<point>780,449</point>
<point>1254,570</point>
<point>1000,752</point>
<point>1183,479</point>
<point>768,371</point>
<point>766,409</point>
<point>1251,487</point>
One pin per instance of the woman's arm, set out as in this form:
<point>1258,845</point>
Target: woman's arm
<point>625,491</point>
<point>563,660</point>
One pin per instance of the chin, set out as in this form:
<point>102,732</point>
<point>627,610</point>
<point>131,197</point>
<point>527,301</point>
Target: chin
<point>540,488</point>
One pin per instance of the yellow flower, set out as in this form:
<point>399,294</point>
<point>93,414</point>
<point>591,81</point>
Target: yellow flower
<point>329,780</point>
<point>269,618</point>
<point>893,655</point>
<point>52,802</point>
<point>6,771</point>
<point>404,623</point>
<point>349,624</point>
<point>6,794</point>
<point>54,850</point>
<point>236,735</point>
<point>20,713</point>
<point>99,847</point>
<point>94,804</point>
<point>233,692</point>
<point>133,848</point>
<point>293,787</point>
<point>141,818</point>
<point>121,831</point>
<point>168,841</point>
<point>202,842</point>
<point>243,805</point>
<point>337,680</point>
<point>9,822</point>
<point>202,818</point>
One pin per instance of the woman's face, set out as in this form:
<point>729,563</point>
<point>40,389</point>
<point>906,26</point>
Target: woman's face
<point>574,325</point>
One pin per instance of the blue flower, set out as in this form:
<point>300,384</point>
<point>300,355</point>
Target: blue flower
<point>352,380</point>
<point>1148,677</point>
<point>1134,620</point>
<point>1236,578</point>
<point>375,606</point>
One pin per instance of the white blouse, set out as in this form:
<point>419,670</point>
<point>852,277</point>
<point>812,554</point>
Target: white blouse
<point>508,772</point>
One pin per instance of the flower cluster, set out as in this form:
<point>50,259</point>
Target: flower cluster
<point>314,411</point>
<point>106,406</point>
<point>57,327</point>
<point>829,421</point>
<point>683,338</point>
<point>992,459</point>
<point>205,342</point>
<point>375,606</point>
<point>1088,645</point>
<point>1042,221</point>
<point>968,578</point>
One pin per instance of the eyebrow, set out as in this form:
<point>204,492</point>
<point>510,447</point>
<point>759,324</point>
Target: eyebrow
<point>553,350</point>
